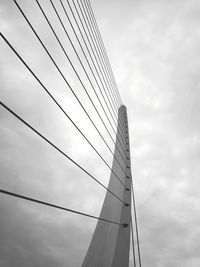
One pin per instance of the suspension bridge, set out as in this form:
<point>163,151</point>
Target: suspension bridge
<point>117,223</point>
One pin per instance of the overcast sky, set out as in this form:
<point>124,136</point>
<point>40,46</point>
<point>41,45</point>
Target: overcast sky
<point>153,47</point>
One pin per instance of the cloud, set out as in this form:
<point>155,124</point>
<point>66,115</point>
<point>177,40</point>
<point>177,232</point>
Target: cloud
<point>153,47</point>
<point>156,66</point>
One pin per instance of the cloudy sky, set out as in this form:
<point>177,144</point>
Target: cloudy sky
<point>153,47</point>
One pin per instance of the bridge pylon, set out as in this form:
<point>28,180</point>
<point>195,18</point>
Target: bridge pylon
<point>110,243</point>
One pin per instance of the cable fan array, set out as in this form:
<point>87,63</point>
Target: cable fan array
<point>85,41</point>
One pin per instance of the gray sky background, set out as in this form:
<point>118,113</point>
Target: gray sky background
<point>153,47</point>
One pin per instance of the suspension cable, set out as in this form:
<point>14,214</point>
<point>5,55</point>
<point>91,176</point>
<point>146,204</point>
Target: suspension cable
<point>77,38</point>
<point>87,3</point>
<point>105,54</point>
<point>88,50</point>
<point>95,35</point>
<point>133,244</point>
<point>55,64</point>
<point>99,63</point>
<point>136,224</point>
<point>58,149</point>
<point>56,102</point>
<point>76,71</point>
<point>74,68</point>
<point>2,191</point>
<point>88,39</point>
<point>90,29</point>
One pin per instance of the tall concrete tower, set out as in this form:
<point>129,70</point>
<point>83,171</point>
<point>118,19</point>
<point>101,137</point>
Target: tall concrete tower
<point>110,243</point>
